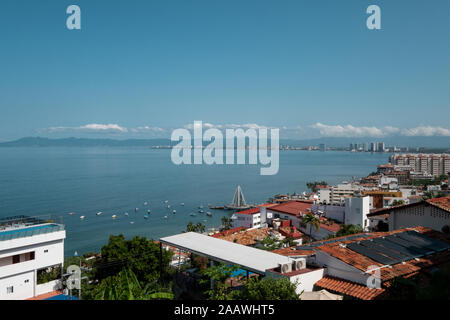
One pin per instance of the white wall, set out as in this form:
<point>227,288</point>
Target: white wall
<point>23,285</point>
<point>356,211</point>
<point>304,281</point>
<point>48,287</point>
<point>419,215</point>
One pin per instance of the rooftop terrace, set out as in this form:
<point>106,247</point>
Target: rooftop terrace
<point>25,226</point>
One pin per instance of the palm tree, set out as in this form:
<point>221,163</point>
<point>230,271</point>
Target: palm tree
<point>312,221</point>
<point>125,286</point>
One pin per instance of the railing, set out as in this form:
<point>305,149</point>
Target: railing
<point>24,226</point>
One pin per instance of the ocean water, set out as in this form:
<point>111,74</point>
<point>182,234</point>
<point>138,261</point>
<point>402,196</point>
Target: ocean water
<point>40,181</point>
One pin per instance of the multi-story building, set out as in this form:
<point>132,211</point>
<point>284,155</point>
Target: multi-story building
<point>339,192</point>
<point>434,164</point>
<point>29,248</point>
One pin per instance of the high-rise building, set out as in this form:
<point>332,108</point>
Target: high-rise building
<point>380,147</point>
<point>434,164</point>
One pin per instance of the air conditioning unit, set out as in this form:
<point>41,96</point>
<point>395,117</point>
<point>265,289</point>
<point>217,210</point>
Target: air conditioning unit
<point>285,267</point>
<point>299,263</point>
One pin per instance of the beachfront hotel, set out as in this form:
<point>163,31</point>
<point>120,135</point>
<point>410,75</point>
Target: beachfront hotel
<point>31,251</point>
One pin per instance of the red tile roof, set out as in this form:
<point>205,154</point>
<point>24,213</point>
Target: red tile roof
<point>295,207</point>
<point>442,203</point>
<point>249,211</point>
<point>292,251</point>
<point>362,262</point>
<point>349,288</point>
<point>227,232</point>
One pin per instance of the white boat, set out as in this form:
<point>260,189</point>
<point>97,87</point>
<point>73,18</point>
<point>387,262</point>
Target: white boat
<point>182,203</point>
<point>145,203</point>
<point>193,215</point>
<point>82,217</point>
<point>71,213</point>
<point>166,201</point>
<point>114,216</point>
<point>145,216</point>
<point>168,207</point>
<point>201,211</point>
<point>148,211</point>
<point>131,222</point>
<point>209,214</point>
<point>126,214</point>
<point>174,211</point>
<point>99,213</point>
<point>165,217</point>
<point>136,209</point>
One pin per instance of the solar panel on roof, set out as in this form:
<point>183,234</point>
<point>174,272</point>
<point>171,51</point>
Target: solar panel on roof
<point>394,255</point>
<point>372,254</point>
<point>408,244</point>
<point>432,243</point>
<point>410,253</point>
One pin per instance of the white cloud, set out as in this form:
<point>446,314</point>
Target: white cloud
<point>427,131</point>
<point>350,131</point>
<point>92,127</point>
<point>147,129</point>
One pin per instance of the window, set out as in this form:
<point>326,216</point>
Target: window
<point>46,250</point>
<point>28,280</point>
<point>16,258</point>
<point>9,289</point>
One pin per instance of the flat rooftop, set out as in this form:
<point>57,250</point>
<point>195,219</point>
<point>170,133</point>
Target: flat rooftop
<point>24,226</point>
<point>251,259</point>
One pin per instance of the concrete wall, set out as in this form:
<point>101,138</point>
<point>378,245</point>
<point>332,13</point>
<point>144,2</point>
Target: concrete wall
<point>305,281</point>
<point>48,251</point>
<point>419,215</point>
<point>356,211</point>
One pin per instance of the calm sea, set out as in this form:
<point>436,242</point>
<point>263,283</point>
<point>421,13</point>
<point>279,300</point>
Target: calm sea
<point>39,181</point>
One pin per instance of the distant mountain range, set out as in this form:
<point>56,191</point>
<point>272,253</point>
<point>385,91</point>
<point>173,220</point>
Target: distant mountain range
<point>412,142</point>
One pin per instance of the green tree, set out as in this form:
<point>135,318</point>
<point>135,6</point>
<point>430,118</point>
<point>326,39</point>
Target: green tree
<point>226,223</point>
<point>312,221</point>
<point>140,255</point>
<point>313,186</point>
<point>219,274</point>
<point>125,286</point>
<point>398,202</point>
<point>348,229</point>
<point>268,289</point>
<point>199,227</point>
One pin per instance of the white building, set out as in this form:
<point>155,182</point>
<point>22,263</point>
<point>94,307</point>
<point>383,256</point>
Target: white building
<point>248,219</point>
<point>28,247</point>
<point>432,213</point>
<point>356,211</point>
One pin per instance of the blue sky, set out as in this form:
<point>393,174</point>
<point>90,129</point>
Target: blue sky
<point>141,68</point>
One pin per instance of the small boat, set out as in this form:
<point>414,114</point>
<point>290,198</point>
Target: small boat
<point>209,214</point>
<point>136,209</point>
<point>201,207</point>
<point>82,217</point>
<point>131,222</point>
<point>145,216</point>
<point>165,217</point>
<point>114,216</point>
<point>145,203</point>
<point>126,214</point>
<point>99,213</point>
<point>148,211</point>
<point>166,201</point>
<point>182,203</point>
<point>193,215</point>
<point>168,207</point>
<point>201,211</point>
<point>71,213</point>
<point>174,211</point>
